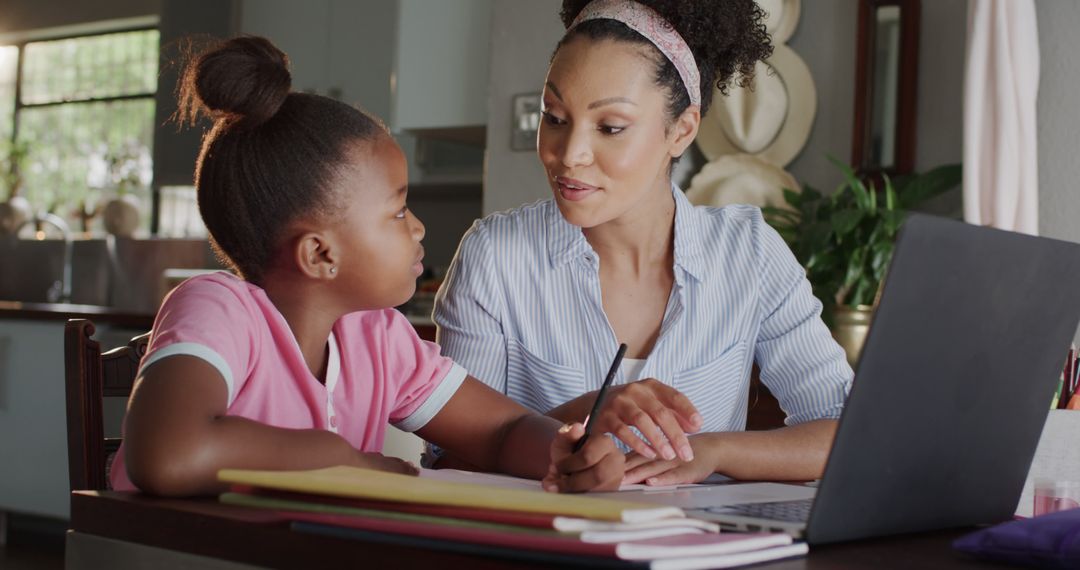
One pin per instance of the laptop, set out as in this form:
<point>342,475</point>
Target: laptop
<point>950,394</point>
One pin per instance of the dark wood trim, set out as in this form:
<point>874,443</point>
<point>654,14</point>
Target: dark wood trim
<point>907,86</point>
<point>90,376</point>
<point>82,379</point>
<point>907,103</point>
<point>17,310</point>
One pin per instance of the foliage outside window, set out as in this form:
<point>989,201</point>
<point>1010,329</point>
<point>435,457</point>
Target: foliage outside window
<point>85,108</point>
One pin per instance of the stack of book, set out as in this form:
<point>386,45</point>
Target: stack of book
<point>516,523</point>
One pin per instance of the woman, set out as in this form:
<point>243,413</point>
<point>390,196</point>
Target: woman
<point>538,298</point>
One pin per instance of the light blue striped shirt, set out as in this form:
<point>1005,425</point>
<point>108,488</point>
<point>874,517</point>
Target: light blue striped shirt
<point>521,310</point>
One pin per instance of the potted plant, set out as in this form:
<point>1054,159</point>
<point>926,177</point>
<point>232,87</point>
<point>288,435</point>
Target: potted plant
<point>845,240</point>
<point>125,167</point>
<point>16,209</point>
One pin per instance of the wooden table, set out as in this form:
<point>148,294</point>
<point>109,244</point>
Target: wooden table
<point>127,529</point>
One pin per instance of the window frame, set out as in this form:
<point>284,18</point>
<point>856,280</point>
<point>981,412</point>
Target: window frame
<point>103,28</point>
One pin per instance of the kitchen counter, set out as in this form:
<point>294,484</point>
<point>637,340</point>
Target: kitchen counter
<point>64,311</point>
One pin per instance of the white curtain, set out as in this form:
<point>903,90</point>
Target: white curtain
<point>1001,84</point>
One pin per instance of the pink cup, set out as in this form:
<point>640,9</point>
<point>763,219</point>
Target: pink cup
<point>1052,496</point>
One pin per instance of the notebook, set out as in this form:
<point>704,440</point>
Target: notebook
<point>343,481</point>
<point>597,532</point>
<point>951,391</point>
<point>682,551</point>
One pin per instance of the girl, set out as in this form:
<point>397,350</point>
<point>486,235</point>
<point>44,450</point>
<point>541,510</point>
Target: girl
<point>300,362</point>
<point>538,298</point>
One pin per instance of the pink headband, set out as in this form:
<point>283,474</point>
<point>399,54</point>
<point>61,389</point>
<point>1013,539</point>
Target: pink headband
<point>656,29</point>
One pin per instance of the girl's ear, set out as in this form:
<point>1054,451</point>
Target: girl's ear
<point>315,255</point>
<point>684,130</point>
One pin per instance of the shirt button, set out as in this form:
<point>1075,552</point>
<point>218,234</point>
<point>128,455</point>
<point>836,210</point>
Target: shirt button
<point>333,421</point>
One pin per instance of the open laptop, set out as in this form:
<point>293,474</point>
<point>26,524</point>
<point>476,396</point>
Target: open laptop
<point>951,391</point>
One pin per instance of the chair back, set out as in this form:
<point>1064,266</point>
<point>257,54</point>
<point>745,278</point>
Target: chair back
<point>91,376</point>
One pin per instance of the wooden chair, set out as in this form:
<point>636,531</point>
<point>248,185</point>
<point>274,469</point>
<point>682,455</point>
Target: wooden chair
<point>90,377</point>
<point>763,410</point>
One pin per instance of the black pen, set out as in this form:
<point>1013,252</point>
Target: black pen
<point>600,397</point>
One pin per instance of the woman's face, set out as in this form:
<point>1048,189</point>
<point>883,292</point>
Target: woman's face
<point>604,139</point>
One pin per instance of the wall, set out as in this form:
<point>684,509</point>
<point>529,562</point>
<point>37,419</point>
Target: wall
<point>175,148</point>
<point>21,15</point>
<point>825,40</point>
<point>523,35</point>
<point>1058,119</point>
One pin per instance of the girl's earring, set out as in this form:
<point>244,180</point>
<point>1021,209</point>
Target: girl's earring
<point>333,269</point>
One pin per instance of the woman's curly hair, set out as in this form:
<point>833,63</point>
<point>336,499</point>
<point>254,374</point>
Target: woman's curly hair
<point>727,38</point>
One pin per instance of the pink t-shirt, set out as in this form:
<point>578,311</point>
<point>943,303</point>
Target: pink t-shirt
<point>379,371</point>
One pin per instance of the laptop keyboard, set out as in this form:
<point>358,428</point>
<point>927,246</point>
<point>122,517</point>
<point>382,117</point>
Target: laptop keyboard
<point>788,511</point>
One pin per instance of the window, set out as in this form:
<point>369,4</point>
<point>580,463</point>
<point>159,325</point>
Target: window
<point>9,59</point>
<point>84,106</point>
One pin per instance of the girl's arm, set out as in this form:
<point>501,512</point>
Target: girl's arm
<point>177,435</point>
<point>793,453</point>
<point>494,433</point>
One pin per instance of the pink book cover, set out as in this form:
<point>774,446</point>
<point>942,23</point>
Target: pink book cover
<point>665,547</point>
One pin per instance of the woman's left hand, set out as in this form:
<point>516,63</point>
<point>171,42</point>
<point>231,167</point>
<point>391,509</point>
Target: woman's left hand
<point>660,472</point>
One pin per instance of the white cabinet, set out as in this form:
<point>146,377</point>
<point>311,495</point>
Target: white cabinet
<point>33,417</point>
<point>418,64</point>
<point>442,64</point>
<point>33,421</point>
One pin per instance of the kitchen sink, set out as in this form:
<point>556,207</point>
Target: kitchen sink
<point>127,274</point>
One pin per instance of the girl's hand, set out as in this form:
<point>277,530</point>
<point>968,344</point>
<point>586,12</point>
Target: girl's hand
<point>383,463</point>
<point>597,466</point>
<point>661,413</point>
<point>660,472</point>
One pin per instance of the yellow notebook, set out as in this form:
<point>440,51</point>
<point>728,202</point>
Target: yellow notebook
<point>379,485</point>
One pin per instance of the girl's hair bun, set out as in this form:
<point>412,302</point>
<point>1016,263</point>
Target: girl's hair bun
<point>243,80</point>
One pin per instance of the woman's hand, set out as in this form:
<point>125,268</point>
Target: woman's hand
<point>660,472</point>
<point>381,462</point>
<point>662,414</point>
<point>597,466</point>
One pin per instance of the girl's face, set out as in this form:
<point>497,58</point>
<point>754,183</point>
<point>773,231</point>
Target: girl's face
<point>379,254</point>
<point>605,140</point>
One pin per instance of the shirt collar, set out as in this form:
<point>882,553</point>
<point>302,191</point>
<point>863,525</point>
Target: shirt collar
<point>566,242</point>
<point>689,236</point>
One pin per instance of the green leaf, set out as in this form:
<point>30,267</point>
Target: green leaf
<point>817,235</point>
<point>890,194</point>
<point>862,196</point>
<point>792,197</point>
<point>873,198</point>
<point>844,221</point>
<point>880,254</point>
<point>810,194</point>
<point>919,188</point>
<point>892,221</point>
<point>863,293</point>
<point>855,267</point>
<point>783,215</point>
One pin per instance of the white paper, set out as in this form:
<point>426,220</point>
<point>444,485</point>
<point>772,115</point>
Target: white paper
<point>702,496</point>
